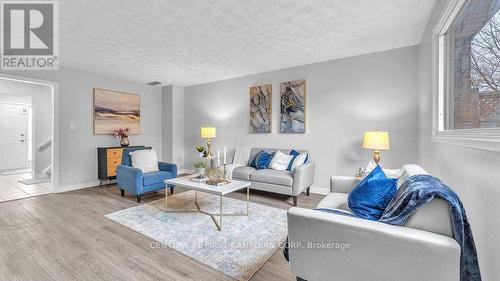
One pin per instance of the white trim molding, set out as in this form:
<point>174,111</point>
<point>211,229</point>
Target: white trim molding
<point>77,186</point>
<point>186,171</point>
<point>320,190</point>
<point>485,139</point>
<point>55,121</point>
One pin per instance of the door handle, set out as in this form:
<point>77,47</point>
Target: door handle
<point>22,140</point>
<point>22,135</point>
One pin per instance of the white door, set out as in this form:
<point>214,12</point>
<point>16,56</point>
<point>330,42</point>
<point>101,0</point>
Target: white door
<point>13,147</point>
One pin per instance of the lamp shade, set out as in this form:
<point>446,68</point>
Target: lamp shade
<point>208,132</point>
<point>376,140</point>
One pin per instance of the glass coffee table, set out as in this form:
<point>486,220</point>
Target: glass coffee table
<point>219,190</point>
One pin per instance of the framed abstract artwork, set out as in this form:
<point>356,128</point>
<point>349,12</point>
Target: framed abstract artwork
<point>260,109</point>
<point>293,107</point>
<point>113,110</point>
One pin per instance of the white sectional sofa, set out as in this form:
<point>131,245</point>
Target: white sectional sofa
<point>423,249</point>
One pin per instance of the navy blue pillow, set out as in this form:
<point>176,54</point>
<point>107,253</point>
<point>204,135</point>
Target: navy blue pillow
<point>252,164</point>
<point>262,160</point>
<point>295,153</point>
<point>371,196</point>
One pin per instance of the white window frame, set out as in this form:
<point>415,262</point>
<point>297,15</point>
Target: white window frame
<point>484,138</point>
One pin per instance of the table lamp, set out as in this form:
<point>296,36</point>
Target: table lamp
<point>208,133</point>
<point>376,140</point>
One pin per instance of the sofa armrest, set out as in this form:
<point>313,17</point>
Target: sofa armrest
<point>342,184</point>
<point>168,167</point>
<point>129,179</point>
<point>303,178</point>
<point>323,245</point>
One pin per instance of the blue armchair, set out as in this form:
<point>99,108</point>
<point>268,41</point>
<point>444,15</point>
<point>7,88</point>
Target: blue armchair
<point>134,181</point>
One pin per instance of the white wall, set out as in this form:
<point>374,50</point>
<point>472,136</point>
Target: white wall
<point>42,115</point>
<point>167,123</point>
<point>41,101</point>
<point>345,98</point>
<point>473,173</point>
<point>173,124</point>
<point>78,153</point>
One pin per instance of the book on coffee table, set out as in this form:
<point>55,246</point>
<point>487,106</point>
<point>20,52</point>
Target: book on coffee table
<point>199,179</point>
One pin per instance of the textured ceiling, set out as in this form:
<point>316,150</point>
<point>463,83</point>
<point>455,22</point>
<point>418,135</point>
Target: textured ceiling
<point>187,42</point>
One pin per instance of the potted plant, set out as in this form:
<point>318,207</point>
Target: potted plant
<point>201,150</point>
<point>200,168</point>
<point>122,134</point>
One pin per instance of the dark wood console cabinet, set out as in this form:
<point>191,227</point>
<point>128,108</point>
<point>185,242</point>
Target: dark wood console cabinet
<point>108,158</point>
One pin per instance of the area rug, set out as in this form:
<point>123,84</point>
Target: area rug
<point>239,250</point>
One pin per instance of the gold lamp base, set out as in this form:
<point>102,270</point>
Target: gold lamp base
<point>209,146</point>
<point>376,156</point>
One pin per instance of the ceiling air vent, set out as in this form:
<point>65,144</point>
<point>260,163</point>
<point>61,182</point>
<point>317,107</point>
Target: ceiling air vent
<point>154,83</point>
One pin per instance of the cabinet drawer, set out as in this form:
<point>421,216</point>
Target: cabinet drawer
<point>113,162</point>
<point>114,153</point>
<point>111,171</point>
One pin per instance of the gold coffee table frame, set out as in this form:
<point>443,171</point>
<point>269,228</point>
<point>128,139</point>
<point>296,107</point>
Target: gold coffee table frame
<point>203,187</point>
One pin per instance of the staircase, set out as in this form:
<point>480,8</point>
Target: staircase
<point>41,147</point>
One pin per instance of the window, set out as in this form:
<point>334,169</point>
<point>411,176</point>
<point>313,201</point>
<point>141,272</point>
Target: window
<point>473,47</point>
<point>468,70</point>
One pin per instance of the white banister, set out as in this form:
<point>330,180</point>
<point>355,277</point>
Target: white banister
<point>44,145</point>
<point>47,171</point>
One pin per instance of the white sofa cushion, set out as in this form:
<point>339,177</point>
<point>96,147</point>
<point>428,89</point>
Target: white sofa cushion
<point>409,170</point>
<point>146,160</point>
<point>243,172</point>
<point>272,177</point>
<point>434,217</point>
<point>336,201</point>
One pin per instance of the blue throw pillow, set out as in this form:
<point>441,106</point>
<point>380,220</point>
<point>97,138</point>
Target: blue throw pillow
<point>267,160</point>
<point>295,153</point>
<point>262,160</point>
<point>371,196</point>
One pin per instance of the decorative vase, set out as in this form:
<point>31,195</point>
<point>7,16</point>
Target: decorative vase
<point>215,174</point>
<point>124,142</point>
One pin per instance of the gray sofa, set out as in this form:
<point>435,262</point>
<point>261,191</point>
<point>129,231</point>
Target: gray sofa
<point>423,249</point>
<point>282,182</point>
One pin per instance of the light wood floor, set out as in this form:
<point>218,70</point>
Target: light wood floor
<point>66,237</point>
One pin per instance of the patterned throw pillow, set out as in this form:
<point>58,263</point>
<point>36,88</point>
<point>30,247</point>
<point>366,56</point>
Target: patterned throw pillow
<point>294,153</point>
<point>295,163</point>
<point>262,160</point>
<point>298,160</point>
<point>280,161</point>
<point>146,160</point>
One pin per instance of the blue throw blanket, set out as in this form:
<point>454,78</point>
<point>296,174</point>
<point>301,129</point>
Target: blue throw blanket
<point>420,189</point>
<point>414,193</point>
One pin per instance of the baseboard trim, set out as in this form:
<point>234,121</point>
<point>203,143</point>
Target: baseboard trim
<point>77,186</point>
<point>319,190</point>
